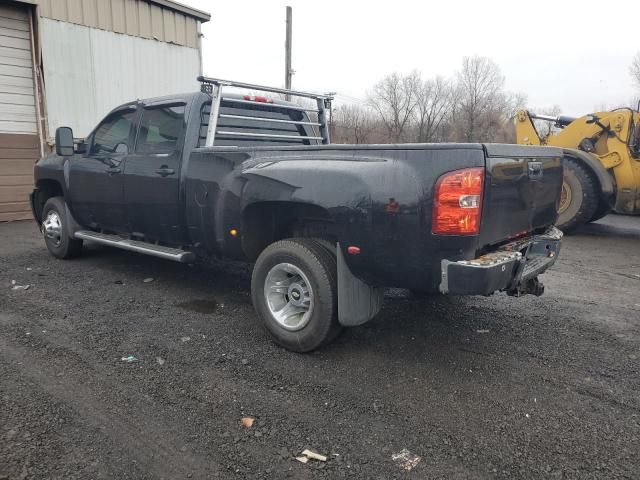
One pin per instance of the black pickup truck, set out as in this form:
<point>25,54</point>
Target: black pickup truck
<point>203,175</point>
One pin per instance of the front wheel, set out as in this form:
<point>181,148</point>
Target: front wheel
<point>55,230</point>
<point>294,291</point>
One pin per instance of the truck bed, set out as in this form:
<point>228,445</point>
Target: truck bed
<point>351,187</point>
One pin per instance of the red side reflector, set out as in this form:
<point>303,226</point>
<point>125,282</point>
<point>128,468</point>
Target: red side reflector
<point>353,250</point>
<point>257,98</point>
<point>457,204</point>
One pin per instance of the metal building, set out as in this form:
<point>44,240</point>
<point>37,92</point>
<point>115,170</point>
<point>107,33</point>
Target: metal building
<point>68,62</point>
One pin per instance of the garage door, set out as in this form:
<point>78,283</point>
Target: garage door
<point>19,144</point>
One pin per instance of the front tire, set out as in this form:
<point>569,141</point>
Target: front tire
<point>294,290</point>
<point>579,199</point>
<point>55,230</point>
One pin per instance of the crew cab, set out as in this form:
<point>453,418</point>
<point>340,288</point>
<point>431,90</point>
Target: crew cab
<point>219,173</point>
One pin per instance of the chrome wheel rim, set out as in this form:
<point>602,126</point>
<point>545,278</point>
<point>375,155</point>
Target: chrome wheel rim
<point>52,228</point>
<point>289,296</point>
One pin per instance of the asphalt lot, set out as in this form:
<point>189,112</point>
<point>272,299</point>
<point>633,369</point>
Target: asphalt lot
<point>493,387</point>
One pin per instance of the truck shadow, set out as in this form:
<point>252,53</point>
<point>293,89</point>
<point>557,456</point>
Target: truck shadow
<point>442,330</point>
<point>413,327</point>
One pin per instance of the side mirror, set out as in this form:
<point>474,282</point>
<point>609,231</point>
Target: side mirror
<point>592,119</point>
<point>64,141</point>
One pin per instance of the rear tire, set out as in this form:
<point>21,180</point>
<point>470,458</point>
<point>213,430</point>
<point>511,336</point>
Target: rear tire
<point>55,230</point>
<point>579,200</point>
<point>294,290</point>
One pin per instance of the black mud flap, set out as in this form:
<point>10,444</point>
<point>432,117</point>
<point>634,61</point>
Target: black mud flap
<point>358,302</point>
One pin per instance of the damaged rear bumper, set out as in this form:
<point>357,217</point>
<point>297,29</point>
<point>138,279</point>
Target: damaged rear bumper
<point>513,268</point>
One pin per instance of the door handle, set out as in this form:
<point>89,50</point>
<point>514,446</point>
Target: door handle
<point>164,171</point>
<point>111,170</point>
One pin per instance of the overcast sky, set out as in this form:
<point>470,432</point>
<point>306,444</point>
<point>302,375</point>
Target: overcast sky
<point>575,54</point>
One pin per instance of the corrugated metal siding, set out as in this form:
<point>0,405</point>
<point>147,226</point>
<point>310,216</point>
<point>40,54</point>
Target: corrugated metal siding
<point>133,17</point>
<point>115,69</point>
<point>18,153</point>
<point>19,142</point>
<point>17,100</point>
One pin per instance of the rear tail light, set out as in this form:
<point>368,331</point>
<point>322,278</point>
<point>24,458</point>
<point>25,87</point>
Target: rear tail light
<point>457,205</point>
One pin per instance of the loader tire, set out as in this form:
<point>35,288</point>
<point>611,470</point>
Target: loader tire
<point>579,199</point>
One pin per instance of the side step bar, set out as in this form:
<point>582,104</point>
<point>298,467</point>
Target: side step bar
<point>167,253</point>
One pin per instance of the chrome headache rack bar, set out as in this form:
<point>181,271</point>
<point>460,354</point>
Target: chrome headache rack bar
<point>214,86</point>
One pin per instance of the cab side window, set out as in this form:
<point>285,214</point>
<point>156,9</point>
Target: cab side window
<point>161,129</point>
<point>112,135</point>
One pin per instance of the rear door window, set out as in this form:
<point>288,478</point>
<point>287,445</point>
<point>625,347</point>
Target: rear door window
<point>161,129</point>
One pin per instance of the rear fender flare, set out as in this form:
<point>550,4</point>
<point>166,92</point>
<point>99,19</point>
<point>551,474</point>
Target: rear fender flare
<point>342,197</point>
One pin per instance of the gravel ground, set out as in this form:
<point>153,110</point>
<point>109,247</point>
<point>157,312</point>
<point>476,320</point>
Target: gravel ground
<point>492,387</point>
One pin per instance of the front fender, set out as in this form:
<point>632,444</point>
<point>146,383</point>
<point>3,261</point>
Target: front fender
<point>51,168</point>
<point>49,180</point>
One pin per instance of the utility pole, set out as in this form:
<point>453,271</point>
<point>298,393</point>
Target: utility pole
<point>288,72</point>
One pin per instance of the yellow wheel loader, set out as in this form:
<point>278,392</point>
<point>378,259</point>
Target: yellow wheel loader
<point>601,162</point>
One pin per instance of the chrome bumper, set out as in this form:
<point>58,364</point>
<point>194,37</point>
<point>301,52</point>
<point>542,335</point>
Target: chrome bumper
<point>513,268</point>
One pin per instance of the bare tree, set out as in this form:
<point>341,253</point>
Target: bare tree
<point>433,105</point>
<point>543,127</point>
<point>394,100</point>
<point>480,97</point>
<point>515,102</point>
<point>635,69</point>
<point>473,108</point>
<point>353,123</point>
<point>502,127</point>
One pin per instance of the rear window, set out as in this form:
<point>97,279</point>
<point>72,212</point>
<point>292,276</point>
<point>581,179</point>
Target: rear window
<point>241,125</point>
